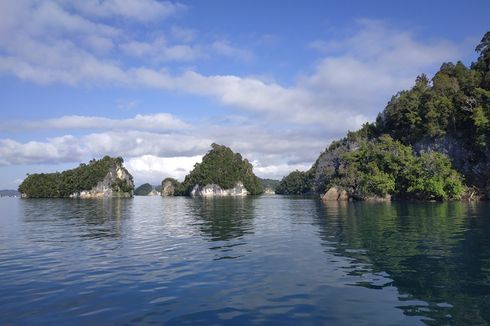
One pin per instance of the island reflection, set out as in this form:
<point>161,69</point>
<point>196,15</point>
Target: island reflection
<point>434,252</point>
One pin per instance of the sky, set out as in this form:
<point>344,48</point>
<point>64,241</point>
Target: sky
<point>157,82</point>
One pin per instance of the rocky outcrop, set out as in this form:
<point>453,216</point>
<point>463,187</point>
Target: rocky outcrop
<point>378,199</point>
<point>335,194</point>
<point>269,191</point>
<point>168,188</point>
<point>214,190</point>
<point>329,162</point>
<point>472,165</point>
<point>117,183</point>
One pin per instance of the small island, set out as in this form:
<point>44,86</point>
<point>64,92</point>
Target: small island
<point>147,189</point>
<point>221,173</point>
<point>104,178</point>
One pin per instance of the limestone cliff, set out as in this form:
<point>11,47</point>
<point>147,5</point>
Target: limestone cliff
<point>111,186</point>
<point>214,190</point>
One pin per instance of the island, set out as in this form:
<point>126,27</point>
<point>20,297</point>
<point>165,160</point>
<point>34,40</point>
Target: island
<point>431,142</point>
<point>221,173</point>
<point>147,189</point>
<point>104,178</point>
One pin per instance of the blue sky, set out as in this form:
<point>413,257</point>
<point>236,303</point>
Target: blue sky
<point>157,82</point>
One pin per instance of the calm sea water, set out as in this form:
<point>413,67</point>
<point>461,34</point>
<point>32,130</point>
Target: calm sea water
<point>263,260</point>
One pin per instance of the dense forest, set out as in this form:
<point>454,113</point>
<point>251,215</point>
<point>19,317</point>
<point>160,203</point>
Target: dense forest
<point>220,166</point>
<point>430,142</point>
<point>85,177</point>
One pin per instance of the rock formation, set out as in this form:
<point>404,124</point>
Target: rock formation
<point>214,190</point>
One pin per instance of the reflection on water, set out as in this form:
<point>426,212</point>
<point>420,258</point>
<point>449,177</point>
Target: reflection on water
<point>225,218</point>
<point>256,260</point>
<point>99,218</point>
<point>435,252</point>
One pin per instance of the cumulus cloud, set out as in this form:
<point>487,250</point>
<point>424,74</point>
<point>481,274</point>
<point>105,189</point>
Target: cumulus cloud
<point>55,150</point>
<point>160,51</point>
<point>153,169</point>
<point>156,122</point>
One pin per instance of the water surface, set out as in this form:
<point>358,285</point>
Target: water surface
<point>256,260</point>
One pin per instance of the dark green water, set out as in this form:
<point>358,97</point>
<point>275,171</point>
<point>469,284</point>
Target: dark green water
<point>263,260</point>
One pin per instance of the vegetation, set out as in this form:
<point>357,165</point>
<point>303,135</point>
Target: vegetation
<point>84,177</point>
<point>401,154</point>
<point>387,167</point>
<point>295,183</point>
<point>269,183</point>
<point>143,190</point>
<point>178,187</point>
<point>222,167</point>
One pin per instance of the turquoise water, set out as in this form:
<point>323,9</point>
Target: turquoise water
<point>257,260</point>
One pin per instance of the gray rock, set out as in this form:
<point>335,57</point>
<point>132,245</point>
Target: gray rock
<point>214,190</point>
<point>335,194</point>
<point>168,188</point>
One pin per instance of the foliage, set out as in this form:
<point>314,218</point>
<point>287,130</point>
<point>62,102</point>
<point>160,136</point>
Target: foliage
<point>432,177</point>
<point>143,190</point>
<point>295,183</point>
<point>269,183</point>
<point>223,167</point>
<point>84,177</point>
<point>387,167</point>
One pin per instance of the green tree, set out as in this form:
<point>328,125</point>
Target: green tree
<point>295,183</point>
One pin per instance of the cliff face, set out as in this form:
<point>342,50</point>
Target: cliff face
<point>115,184</point>
<point>474,166</point>
<point>328,164</point>
<point>214,190</point>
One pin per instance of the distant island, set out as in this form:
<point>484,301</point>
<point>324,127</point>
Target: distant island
<point>147,189</point>
<point>221,173</point>
<point>430,143</point>
<point>9,193</point>
<point>102,178</point>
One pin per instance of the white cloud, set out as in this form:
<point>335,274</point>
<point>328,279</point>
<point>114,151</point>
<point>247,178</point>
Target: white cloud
<point>153,169</point>
<point>55,150</point>
<point>99,44</point>
<point>277,171</point>
<point>347,87</point>
<point>155,122</point>
<point>141,10</point>
<point>160,51</point>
